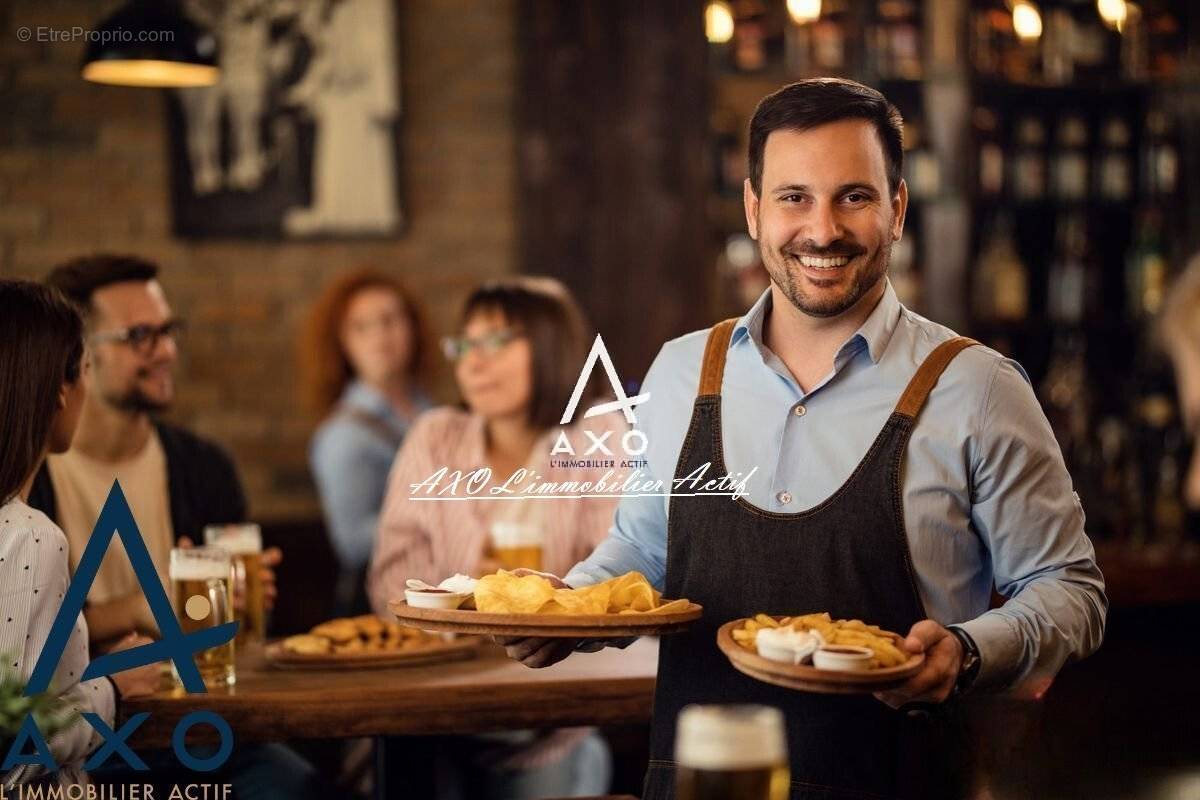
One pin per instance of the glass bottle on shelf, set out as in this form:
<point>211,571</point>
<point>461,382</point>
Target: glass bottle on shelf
<point>991,153</point>
<point>1029,161</point>
<point>1168,502</point>
<point>1160,157</point>
<point>1058,57</point>
<point>1135,45</point>
<point>1114,172</point>
<point>921,170</point>
<point>1073,292</point>
<point>1146,268</point>
<point>1070,166</point>
<point>897,40</point>
<point>987,41</point>
<point>1000,291</point>
<point>1067,396</point>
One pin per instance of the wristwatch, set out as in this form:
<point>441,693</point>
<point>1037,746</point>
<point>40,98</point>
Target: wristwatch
<point>969,669</point>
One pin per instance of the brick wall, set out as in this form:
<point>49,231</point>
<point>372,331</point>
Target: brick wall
<point>84,168</point>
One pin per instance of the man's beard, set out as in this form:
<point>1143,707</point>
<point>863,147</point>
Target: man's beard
<point>136,400</point>
<point>791,283</point>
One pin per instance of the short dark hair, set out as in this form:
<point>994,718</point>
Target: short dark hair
<point>550,318</point>
<point>41,348</point>
<point>810,103</point>
<point>80,278</point>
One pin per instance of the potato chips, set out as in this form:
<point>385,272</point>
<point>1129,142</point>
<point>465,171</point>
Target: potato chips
<point>833,631</point>
<point>505,593</point>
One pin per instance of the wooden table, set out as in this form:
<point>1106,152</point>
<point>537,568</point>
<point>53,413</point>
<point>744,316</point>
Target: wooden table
<point>483,694</point>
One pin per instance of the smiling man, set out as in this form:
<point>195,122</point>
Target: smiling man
<point>902,472</point>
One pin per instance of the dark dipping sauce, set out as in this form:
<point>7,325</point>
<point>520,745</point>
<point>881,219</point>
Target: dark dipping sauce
<point>846,651</point>
<point>435,591</point>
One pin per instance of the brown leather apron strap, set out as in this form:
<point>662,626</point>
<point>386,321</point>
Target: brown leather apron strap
<point>713,368</point>
<point>918,389</point>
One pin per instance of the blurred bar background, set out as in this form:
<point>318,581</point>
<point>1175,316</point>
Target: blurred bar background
<point>1053,159</point>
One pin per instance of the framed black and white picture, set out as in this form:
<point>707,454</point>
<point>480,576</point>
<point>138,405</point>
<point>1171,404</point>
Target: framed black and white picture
<point>299,138</point>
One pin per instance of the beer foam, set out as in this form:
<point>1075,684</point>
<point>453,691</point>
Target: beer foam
<point>730,737</point>
<point>515,534</point>
<point>241,540</point>
<point>184,568</point>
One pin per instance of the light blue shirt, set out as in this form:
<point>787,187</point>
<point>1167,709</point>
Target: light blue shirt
<point>987,497</point>
<point>350,461</point>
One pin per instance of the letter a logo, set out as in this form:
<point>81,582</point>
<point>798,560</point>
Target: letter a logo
<point>117,520</point>
<point>623,403</point>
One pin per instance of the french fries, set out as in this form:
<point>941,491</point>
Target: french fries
<point>833,631</point>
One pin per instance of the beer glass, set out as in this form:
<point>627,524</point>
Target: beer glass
<point>734,752</point>
<point>517,545</point>
<point>244,543</point>
<point>200,581</point>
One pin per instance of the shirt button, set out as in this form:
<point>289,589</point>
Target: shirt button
<point>784,497</point>
<point>801,411</point>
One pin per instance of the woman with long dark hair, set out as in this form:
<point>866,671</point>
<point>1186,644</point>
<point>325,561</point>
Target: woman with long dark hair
<point>41,394</point>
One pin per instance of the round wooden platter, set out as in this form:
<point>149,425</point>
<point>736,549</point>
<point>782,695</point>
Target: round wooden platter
<point>432,653</point>
<point>807,678</point>
<point>553,626</point>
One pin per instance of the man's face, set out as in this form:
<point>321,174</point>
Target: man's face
<point>826,221</point>
<point>133,378</point>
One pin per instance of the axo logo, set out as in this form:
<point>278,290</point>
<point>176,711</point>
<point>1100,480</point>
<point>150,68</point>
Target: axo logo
<point>633,442</point>
<point>116,519</point>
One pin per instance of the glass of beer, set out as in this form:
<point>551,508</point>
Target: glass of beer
<point>200,581</point>
<point>735,752</point>
<point>244,543</point>
<point>517,545</point>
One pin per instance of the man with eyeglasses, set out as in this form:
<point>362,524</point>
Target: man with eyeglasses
<point>176,482</point>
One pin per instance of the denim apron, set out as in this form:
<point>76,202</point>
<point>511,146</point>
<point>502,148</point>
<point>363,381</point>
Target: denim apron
<point>848,556</point>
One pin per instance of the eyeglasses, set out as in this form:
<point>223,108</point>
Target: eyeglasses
<point>142,338</point>
<point>457,347</point>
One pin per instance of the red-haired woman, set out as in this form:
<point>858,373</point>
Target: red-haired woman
<point>364,363</point>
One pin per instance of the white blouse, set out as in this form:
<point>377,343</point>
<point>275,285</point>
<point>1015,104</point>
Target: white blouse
<point>33,580</point>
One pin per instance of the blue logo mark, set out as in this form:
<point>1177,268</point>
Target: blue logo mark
<point>116,519</point>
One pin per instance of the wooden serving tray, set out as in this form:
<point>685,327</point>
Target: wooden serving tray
<point>807,678</point>
<point>433,653</point>
<point>553,626</point>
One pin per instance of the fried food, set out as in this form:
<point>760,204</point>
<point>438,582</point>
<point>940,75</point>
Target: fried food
<point>307,644</point>
<point>365,634</point>
<point>505,593</point>
<point>833,631</point>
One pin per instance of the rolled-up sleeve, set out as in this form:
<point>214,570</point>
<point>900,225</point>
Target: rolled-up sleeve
<point>1026,512</point>
<point>637,540</point>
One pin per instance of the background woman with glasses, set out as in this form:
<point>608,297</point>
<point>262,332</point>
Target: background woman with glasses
<point>521,346</point>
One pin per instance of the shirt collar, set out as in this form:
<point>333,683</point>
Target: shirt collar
<point>875,332</point>
<point>361,396</point>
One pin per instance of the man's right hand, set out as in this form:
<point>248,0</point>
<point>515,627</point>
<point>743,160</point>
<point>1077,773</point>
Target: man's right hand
<point>534,651</point>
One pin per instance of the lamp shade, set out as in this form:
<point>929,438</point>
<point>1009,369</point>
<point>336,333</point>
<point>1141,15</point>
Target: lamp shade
<point>151,43</point>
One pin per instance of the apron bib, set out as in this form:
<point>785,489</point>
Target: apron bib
<point>848,556</point>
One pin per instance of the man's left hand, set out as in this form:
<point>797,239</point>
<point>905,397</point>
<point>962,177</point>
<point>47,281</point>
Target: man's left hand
<point>943,658</point>
<point>270,559</point>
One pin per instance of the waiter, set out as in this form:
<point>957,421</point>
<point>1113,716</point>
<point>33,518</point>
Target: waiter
<point>901,472</point>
